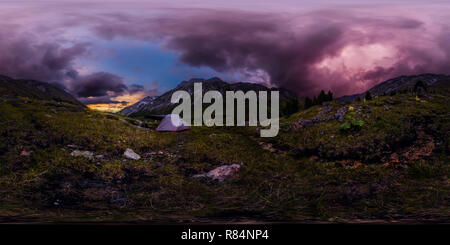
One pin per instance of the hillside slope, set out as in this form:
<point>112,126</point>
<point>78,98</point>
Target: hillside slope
<point>35,90</point>
<point>402,84</point>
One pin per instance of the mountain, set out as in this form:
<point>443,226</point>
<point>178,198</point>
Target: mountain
<point>162,104</point>
<point>402,83</point>
<point>33,89</point>
<point>147,101</point>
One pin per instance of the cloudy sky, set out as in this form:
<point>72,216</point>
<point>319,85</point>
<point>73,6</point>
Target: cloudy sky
<point>111,53</point>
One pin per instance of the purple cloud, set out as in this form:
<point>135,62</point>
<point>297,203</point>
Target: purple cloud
<point>345,49</point>
<point>293,50</point>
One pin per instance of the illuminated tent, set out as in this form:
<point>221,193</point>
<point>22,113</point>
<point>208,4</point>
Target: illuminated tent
<point>172,122</point>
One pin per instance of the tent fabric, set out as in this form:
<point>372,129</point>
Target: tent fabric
<point>173,123</point>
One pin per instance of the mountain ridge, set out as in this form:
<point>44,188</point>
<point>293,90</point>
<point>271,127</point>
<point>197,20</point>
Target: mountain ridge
<point>398,84</point>
<point>35,89</point>
<point>162,104</point>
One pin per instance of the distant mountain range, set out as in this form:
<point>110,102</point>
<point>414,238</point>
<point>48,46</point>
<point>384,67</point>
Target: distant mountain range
<point>162,105</point>
<point>10,87</point>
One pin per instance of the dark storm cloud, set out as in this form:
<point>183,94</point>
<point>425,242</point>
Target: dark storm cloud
<point>101,100</point>
<point>287,47</point>
<point>102,87</point>
<point>98,84</point>
<point>24,55</point>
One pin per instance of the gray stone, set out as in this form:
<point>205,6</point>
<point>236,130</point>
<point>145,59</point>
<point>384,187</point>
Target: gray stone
<point>130,154</point>
<point>87,154</point>
<point>340,113</point>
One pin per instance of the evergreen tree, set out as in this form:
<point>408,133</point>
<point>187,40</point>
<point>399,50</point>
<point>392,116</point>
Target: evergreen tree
<point>292,106</point>
<point>308,103</point>
<point>329,96</point>
<point>314,101</point>
<point>322,97</point>
<point>368,96</point>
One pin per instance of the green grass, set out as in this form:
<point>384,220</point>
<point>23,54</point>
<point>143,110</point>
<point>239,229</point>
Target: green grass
<point>293,184</point>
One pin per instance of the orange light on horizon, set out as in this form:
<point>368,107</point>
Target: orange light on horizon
<point>130,99</point>
<point>106,107</point>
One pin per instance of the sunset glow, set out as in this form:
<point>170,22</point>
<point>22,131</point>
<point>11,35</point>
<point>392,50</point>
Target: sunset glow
<point>127,100</point>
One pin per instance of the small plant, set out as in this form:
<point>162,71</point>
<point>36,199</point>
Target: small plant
<point>351,123</point>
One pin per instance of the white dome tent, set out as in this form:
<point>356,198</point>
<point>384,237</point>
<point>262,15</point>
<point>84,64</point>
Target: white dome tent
<point>173,123</point>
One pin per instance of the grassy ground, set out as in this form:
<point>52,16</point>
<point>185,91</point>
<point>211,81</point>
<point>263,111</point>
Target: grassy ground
<point>319,173</point>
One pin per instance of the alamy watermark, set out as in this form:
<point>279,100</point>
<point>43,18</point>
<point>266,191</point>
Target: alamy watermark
<point>235,104</point>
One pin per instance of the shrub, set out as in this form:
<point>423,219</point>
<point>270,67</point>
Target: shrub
<point>351,123</point>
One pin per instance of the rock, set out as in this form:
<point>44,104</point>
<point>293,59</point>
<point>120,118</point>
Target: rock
<point>302,123</point>
<point>307,123</point>
<point>73,146</point>
<point>324,115</point>
<point>130,154</point>
<point>99,156</point>
<point>87,154</point>
<point>57,202</point>
<point>298,125</point>
<point>26,153</point>
<point>267,147</point>
<point>221,173</point>
<point>325,110</point>
<point>391,102</point>
<point>340,113</point>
